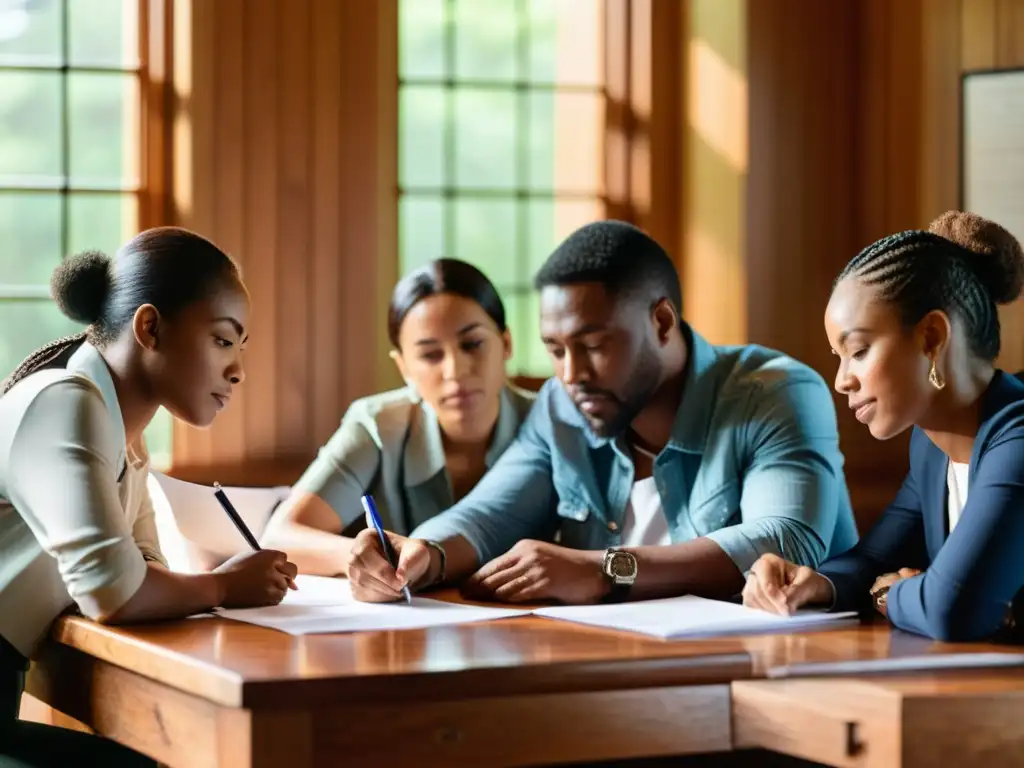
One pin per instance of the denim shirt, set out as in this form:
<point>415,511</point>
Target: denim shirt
<point>753,463</point>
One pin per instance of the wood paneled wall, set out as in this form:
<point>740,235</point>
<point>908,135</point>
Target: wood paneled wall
<point>768,143</point>
<point>834,124</point>
<point>285,155</point>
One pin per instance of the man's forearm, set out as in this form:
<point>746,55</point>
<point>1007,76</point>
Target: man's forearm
<point>699,567</point>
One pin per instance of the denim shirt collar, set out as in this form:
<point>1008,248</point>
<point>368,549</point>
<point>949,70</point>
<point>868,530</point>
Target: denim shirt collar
<point>700,391</point>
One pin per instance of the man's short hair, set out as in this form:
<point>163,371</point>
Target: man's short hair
<point>619,256</point>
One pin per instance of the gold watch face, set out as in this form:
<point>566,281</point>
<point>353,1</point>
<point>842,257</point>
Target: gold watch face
<point>622,565</point>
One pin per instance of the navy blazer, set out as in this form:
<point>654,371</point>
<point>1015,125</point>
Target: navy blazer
<point>971,576</point>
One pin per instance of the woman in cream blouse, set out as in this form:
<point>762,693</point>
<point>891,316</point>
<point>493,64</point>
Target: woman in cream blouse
<point>419,449</point>
<point>166,325</point>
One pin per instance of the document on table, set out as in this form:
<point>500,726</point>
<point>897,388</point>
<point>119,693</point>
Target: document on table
<point>692,617</point>
<point>199,517</point>
<point>323,605</point>
<point>921,663</point>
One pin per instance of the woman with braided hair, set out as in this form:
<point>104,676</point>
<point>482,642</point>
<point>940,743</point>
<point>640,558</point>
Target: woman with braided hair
<point>166,327</point>
<point>913,321</point>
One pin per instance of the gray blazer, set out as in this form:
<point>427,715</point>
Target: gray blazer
<point>389,445</point>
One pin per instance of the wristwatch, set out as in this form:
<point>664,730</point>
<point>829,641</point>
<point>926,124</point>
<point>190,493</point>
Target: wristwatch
<point>881,597</point>
<point>620,568</point>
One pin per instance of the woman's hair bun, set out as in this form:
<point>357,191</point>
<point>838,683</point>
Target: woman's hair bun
<point>995,255</point>
<point>80,285</point>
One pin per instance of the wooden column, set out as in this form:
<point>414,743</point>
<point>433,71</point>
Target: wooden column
<point>285,155</point>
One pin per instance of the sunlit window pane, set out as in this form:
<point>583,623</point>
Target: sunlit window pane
<point>30,245</point>
<point>566,41</point>
<point>421,33</point>
<point>422,127</point>
<point>485,138</point>
<point>27,325</point>
<point>103,33</point>
<point>30,33</point>
<point>30,124</point>
<point>486,32</point>
<point>100,221</point>
<point>421,231</point>
<point>486,235</point>
<point>102,121</point>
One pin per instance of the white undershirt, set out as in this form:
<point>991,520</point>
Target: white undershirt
<point>645,522</point>
<point>956,482</point>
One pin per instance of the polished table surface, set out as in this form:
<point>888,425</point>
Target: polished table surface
<point>237,664</point>
<point>533,691</point>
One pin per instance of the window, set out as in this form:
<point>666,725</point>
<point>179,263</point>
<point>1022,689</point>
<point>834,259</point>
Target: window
<point>501,131</point>
<point>70,156</point>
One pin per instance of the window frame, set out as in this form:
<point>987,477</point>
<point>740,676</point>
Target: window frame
<point>521,193</point>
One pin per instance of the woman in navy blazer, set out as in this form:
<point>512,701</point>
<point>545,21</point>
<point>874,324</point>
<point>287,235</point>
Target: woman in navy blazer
<point>914,323</point>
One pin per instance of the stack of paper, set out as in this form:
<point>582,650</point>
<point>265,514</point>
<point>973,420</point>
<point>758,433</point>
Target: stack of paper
<point>689,617</point>
<point>323,605</point>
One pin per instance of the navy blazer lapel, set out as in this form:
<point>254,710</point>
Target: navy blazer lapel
<point>936,510</point>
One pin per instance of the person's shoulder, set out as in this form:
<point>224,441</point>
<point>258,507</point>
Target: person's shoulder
<point>522,399</point>
<point>756,370</point>
<point>1006,423</point>
<point>384,413</point>
<point>63,404</point>
<point>57,387</point>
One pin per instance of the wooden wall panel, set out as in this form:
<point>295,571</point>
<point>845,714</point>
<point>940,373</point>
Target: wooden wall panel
<point>284,152</point>
<point>296,135</point>
<point>328,340</point>
<point>229,181</point>
<point>849,112</point>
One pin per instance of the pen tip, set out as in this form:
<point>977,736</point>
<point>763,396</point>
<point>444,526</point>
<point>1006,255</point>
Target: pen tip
<point>216,486</point>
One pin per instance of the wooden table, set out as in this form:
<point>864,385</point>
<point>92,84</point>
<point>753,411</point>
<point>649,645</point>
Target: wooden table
<point>952,717</point>
<point>522,691</point>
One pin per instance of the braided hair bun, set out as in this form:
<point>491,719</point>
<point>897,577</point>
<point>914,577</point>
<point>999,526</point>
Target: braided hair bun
<point>996,257</point>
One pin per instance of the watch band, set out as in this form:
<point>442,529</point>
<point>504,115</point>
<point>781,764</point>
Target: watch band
<point>443,573</point>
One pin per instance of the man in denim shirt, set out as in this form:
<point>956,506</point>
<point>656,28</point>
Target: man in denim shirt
<point>661,464</point>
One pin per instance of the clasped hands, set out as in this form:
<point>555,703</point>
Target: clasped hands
<point>530,571</point>
<point>781,587</point>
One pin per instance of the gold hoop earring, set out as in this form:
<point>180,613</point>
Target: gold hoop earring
<point>935,378</point>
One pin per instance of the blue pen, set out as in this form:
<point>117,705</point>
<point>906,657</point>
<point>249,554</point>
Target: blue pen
<point>385,543</point>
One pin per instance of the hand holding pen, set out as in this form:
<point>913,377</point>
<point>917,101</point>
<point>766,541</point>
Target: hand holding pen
<point>260,577</point>
<point>390,575</point>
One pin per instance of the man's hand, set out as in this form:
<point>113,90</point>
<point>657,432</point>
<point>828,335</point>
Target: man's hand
<point>537,570</point>
<point>779,586</point>
<point>372,579</point>
<point>888,579</point>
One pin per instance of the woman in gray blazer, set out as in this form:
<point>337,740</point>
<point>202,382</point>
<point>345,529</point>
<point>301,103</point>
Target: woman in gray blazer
<point>421,448</point>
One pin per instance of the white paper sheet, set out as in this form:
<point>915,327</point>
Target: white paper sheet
<point>323,605</point>
<point>691,617</point>
<point>921,663</point>
<point>192,512</point>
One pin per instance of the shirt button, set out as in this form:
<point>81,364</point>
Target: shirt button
<point>613,526</point>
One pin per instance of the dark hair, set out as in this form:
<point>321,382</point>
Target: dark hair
<point>619,256</point>
<point>964,265</point>
<point>168,267</point>
<point>443,276</point>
